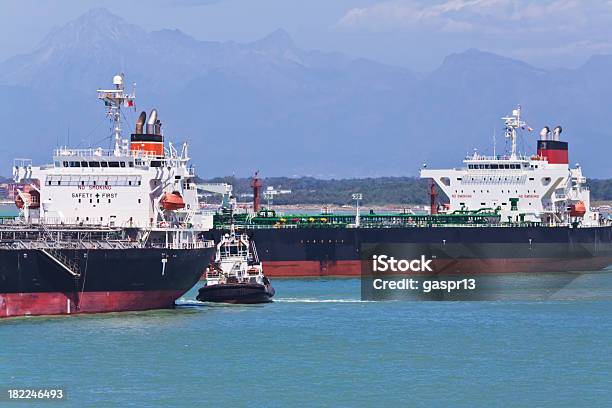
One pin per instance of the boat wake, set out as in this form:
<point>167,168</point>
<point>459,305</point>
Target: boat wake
<point>314,300</point>
<point>188,302</point>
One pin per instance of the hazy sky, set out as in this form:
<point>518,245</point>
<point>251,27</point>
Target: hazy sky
<point>412,33</point>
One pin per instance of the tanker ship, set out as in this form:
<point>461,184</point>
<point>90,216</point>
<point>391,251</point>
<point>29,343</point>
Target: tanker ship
<point>105,230</point>
<point>507,213</point>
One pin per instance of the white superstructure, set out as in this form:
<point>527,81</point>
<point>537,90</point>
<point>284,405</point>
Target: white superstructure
<point>236,261</point>
<point>539,188</point>
<point>140,183</point>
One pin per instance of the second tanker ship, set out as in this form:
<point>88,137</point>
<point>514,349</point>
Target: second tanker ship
<point>506,214</point>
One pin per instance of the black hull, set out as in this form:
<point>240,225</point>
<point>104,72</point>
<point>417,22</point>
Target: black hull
<point>31,283</point>
<point>340,251</point>
<point>236,293</point>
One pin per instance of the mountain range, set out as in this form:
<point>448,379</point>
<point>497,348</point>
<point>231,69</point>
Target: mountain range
<point>272,106</point>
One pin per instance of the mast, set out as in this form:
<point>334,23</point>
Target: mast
<point>357,197</point>
<point>114,99</point>
<point>433,198</point>
<point>512,123</point>
<point>256,185</point>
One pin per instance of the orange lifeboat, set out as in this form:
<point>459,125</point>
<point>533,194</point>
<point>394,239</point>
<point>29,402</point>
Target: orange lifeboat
<point>172,201</point>
<point>578,210</point>
<point>29,196</point>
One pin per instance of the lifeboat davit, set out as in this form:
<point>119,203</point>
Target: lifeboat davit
<point>30,197</point>
<point>578,210</point>
<point>172,201</point>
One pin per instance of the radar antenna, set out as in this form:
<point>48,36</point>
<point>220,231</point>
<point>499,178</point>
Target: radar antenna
<point>114,99</point>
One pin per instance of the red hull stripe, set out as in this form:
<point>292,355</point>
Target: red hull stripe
<point>458,266</point>
<point>56,303</point>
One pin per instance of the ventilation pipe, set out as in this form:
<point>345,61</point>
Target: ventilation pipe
<point>151,122</point>
<point>140,122</point>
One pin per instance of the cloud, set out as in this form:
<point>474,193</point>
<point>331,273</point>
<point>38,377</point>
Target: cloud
<point>535,29</point>
<point>486,16</point>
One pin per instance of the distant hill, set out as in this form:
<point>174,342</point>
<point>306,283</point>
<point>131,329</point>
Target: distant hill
<point>375,191</point>
<point>308,190</point>
<point>273,106</point>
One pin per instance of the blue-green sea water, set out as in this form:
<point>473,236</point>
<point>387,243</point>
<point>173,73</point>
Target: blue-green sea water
<point>318,345</point>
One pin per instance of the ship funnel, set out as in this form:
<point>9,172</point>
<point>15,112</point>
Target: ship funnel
<point>557,132</point>
<point>544,133</point>
<point>151,122</point>
<point>140,122</point>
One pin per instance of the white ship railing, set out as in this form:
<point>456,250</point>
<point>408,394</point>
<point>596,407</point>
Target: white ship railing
<point>184,245</point>
<point>478,157</point>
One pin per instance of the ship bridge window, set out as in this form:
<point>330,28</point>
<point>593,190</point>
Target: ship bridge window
<point>131,164</point>
<point>65,164</point>
<point>84,164</point>
<point>494,167</point>
<point>122,164</point>
<point>104,164</point>
<point>94,164</point>
<point>445,181</point>
<point>113,164</point>
<point>75,164</point>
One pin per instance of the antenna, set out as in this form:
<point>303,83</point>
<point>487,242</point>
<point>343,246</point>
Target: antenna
<point>494,142</point>
<point>114,99</point>
<point>512,123</point>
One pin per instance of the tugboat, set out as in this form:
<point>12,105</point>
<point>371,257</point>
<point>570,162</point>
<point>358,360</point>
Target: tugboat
<point>236,274</point>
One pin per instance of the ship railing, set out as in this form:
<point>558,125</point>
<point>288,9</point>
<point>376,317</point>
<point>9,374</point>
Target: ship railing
<point>213,274</point>
<point>83,152</point>
<point>183,245</point>
<point>22,163</point>
<point>68,245</point>
<point>406,225</point>
<point>478,157</point>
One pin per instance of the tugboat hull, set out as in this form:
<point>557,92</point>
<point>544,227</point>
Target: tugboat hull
<point>236,293</point>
